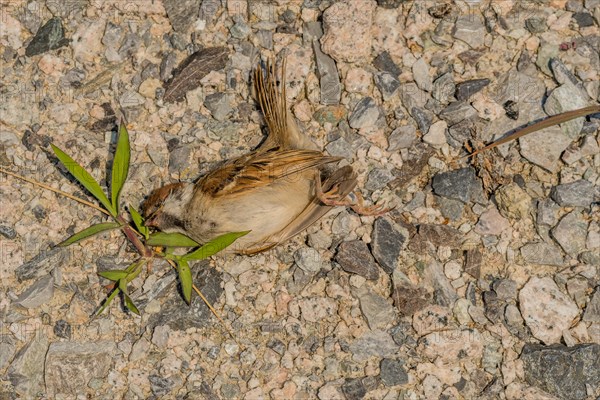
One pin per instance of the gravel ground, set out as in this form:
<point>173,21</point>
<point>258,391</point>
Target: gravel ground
<point>484,282</point>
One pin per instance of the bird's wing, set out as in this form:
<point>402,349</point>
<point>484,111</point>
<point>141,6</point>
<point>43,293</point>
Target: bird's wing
<point>260,168</point>
<point>344,177</point>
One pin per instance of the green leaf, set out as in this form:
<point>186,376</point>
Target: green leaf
<point>171,240</point>
<point>114,275</point>
<point>123,285</point>
<point>84,178</point>
<point>129,304</point>
<point>120,166</point>
<point>135,269</point>
<point>108,300</point>
<point>139,222</point>
<point>90,231</point>
<point>185,277</point>
<point>214,246</point>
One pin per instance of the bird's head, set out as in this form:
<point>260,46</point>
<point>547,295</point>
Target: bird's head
<point>165,207</point>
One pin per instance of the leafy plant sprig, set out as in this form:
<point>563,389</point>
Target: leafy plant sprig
<point>137,233</point>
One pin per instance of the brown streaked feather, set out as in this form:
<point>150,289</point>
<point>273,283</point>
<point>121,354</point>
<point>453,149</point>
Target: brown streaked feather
<point>273,104</point>
<point>344,177</point>
<point>283,131</point>
<point>157,197</point>
<point>259,169</point>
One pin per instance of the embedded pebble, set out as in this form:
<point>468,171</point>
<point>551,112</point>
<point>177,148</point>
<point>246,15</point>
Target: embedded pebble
<point>546,310</point>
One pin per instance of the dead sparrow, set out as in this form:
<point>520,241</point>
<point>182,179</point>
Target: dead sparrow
<point>275,192</point>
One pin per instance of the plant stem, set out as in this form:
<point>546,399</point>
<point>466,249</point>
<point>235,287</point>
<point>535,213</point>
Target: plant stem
<point>57,191</point>
<point>545,123</point>
<point>132,235</point>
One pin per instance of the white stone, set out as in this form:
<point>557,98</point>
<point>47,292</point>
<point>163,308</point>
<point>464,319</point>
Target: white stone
<point>546,310</point>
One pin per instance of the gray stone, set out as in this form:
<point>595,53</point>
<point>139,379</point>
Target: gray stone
<point>439,235</point>
<point>340,148</point>
<point>182,13</point>
<point>387,243</point>
<point>506,289</point>
<point>444,88</point>
<point>571,233</point>
<point>536,25</point>
<point>414,162</point>
<point>70,366</point>
<point>319,240</point>
<point>41,264</point>
<point>444,294</point>
<point>308,259</point>
<point>387,84</point>
<point>470,29</point>
<point>457,112</point>
<point>421,75</point>
<point>160,386</point>
<point>562,74</point>
<point>329,78</point>
<point>167,65</point>
<point>131,99</point>
<point>412,96</point>
<point>590,257</point>
<point>39,293</point>
<point>384,62</point>
<point>240,30</point>
<point>417,201</point>
<point>564,98</point>
<point>62,329</point>
<point>218,105</point>
<point>544,147</point>
<point>583,19</point>
<point>546,51</point>
<point>464,90</point>
<point>592,309</point>
<point>575,194</point>
<point>392,372</point>
<point>377,311</point>
<point>7,232</point>
<point>563,371</point>
<point>422,118</point>
<point>494,307</point>
<point>354,389</point>
<point>179,159</point>
<point>51,36</point>
<point>209,10</point>
<point>7,350</point>
<point>373,343</point>
<point>547,212</point>
<point>378,178</point>
<point>265,39</point>
<point>26,371</point>
<point>450,208</point>
<point>130,45</point>
<point>354,257</point>
<point>365,114</point>
<point>542,254</point>
<point>462,184</point>
<point>175,313</point>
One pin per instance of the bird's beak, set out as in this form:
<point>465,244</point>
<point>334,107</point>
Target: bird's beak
<point>152,222</point>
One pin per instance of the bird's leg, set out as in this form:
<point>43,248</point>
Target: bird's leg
<point>354,200</point>
<point>374,210</point>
